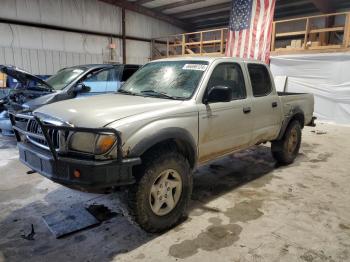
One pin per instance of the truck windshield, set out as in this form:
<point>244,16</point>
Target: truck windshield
<point>64,77</point>
<point>166,79</point>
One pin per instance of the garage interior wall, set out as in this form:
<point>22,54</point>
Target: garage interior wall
<point>44,51</point>
<point>146,27</point>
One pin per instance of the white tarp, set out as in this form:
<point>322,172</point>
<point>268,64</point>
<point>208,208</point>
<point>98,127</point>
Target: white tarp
<point>327,76</point>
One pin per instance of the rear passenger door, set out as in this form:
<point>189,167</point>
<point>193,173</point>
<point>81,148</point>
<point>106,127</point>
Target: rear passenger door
<point>266,108</point>
<point>225,126</point>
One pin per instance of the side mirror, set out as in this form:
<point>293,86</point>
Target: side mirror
<point>219,94</point>
<point>81,88</point>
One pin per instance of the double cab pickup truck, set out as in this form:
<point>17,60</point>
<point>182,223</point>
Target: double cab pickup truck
<point>171,116</point>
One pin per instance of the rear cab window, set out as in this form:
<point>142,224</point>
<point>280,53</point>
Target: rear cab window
<point>260,80</point>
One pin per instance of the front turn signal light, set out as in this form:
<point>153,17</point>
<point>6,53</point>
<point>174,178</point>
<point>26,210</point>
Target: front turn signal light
<point>104,143</point>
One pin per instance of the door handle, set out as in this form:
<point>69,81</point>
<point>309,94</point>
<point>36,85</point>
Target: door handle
<point>274,104</point>
<point>246,110</point>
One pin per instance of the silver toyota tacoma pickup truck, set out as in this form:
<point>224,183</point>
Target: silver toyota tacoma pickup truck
<point>168,118</point>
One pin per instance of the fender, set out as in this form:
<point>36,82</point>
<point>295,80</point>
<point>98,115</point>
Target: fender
<point>292,113</point>
<point>163,135</point>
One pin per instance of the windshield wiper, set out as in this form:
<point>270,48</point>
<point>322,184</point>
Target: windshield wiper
<point>126,92</point>
<point>160,94</point>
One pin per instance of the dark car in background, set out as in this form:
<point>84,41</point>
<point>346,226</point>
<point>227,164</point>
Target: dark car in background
<point>71,82</point>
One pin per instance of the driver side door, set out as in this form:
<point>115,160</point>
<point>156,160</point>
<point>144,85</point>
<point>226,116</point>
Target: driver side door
<point>225,126</point>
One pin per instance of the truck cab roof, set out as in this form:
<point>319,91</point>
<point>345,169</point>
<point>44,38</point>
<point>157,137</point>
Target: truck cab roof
<point>209,59</point>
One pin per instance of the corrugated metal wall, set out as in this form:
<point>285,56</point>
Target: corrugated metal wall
<point>147,27</point>
<point>44,51</point>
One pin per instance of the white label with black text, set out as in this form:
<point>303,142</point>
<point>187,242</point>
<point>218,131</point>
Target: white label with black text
<point>199,67</point>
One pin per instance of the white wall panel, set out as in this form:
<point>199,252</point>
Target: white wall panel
<point>28,37</point>
<point>44,62</point>
<point>80,14</point>
<point>17,54</point>
<point>8,9</point>
<point>26,64</point>
<point>53,40</point>
<point>148,27</point>
<point>43,51</point>
<point>137,52</point>
<point>72,13</point>
<point>7,36</point>
<point>28,10</point>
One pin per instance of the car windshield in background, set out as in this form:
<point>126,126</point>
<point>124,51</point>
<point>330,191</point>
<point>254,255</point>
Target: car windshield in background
<point>168,79</point>
<point>64,77</point>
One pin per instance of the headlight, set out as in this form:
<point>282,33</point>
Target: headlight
<point>91,143</point>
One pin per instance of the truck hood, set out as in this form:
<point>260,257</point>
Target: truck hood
<point>99,111</point>
<point>23,76</point>
<point>44,100</point>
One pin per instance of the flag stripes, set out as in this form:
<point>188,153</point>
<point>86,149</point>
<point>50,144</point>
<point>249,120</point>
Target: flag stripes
<point>249,34</point>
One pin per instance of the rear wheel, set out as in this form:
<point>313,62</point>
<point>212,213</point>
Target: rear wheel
<point>162,193</point>
<point>287,149</point>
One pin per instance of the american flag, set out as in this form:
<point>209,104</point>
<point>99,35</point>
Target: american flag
<point>249,34</point>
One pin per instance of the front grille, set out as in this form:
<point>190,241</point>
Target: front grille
<point>33,132</point>
<point>34,128</point>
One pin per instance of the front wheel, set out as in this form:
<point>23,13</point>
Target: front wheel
<point>287,149</point>
<point>160,197</point>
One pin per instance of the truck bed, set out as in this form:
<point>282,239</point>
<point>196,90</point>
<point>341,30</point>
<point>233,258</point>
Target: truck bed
<point>297,101</point>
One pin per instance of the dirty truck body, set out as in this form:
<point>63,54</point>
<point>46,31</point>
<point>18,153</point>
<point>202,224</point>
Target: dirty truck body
<point>170,116</point>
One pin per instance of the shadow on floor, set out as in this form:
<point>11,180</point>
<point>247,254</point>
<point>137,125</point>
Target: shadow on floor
<point>120,234</point>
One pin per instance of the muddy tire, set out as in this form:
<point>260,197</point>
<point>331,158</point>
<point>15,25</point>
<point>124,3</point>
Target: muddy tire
<point>160,197</point>
<point>287,149</point>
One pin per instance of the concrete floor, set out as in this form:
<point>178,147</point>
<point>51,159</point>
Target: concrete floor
<point>243,209</point>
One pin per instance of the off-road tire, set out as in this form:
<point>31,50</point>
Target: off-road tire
<point>154,163</point>
<point>281,150</point>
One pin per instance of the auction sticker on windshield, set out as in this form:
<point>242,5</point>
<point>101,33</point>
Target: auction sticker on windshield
<point>199,67</point>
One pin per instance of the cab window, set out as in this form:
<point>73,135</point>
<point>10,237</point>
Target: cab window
<point>230,75</point>
<point>103,81</point>
<point>260,80</point>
